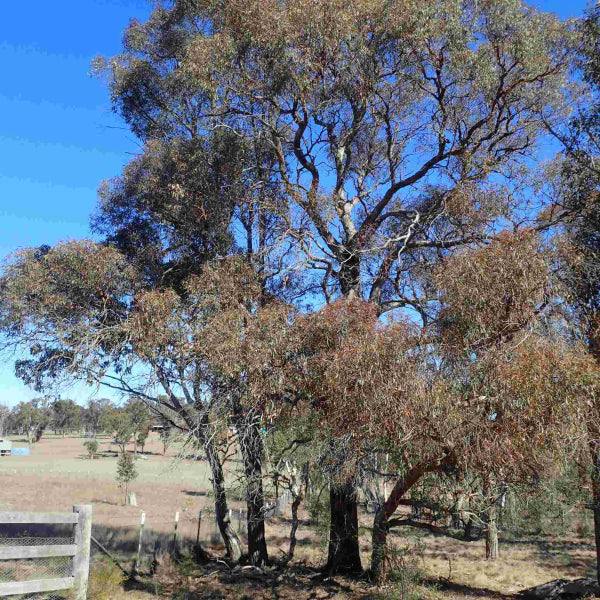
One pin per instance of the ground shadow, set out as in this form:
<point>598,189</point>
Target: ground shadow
<point>191,493</point>
<point>448,586</point>
<point>549,543</point>
<point>558,557</point>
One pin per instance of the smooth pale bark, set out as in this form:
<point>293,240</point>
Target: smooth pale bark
<point>230,539</point>
<point>344,551</point>
<point>297,497</point>
<point>491,536</point>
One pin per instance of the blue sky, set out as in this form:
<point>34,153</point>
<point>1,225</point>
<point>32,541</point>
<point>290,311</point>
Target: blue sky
<point>58,136</point>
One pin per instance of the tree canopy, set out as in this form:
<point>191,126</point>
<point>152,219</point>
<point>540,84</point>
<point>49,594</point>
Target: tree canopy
<point>363,158</point>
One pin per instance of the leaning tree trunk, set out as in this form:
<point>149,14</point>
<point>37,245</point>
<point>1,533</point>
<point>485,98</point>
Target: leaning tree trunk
<point>231,540</point>
<point>344,551</point>
<point>382,523</point>
<point>251,447</point>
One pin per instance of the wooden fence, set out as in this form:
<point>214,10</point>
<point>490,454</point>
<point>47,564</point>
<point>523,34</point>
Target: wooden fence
<point>81,519</point>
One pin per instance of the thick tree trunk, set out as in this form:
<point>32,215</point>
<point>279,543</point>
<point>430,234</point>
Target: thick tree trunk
<point>230,539</point>
<point>349,276</point>
<point>251,446</point>
<point>344,551</point>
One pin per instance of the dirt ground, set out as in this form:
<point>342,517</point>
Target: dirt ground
<point>58,475</point>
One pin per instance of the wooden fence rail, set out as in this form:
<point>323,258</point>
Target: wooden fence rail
<point>81,519</point>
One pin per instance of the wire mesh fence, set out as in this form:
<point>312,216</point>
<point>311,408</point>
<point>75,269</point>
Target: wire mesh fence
<point>31,569</point>
<point>42,554</point>
<point>41,596</point>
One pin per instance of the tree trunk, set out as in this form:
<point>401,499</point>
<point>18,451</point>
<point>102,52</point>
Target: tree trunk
<point>297,497</point>
<point>251,445</point>
<point>491,518</point>
<point>230,539</point>
<point>344,551</point>
<point>379,570</point>
<point>595,452</point>
<point>457,512</point>
<point>491,535</point>
<point>382,516</point>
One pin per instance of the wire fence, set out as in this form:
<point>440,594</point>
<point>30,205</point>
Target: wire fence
<point>42,554</point>
<point>39,568</point>
<point>139,543</point>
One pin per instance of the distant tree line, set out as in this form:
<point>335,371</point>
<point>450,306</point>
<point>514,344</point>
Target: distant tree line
<point>128,423</point>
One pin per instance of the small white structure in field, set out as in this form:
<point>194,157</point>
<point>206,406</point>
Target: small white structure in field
<point>5,447</point>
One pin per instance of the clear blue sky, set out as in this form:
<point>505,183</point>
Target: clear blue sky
<point>58,136</point>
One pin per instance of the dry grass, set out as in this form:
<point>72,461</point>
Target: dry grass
<point>58,474</point>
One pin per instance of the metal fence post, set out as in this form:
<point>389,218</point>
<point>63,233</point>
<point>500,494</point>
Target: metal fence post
<point>81,561</point>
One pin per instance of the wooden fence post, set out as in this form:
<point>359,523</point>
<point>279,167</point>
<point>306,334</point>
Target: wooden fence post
<point>81,561</point>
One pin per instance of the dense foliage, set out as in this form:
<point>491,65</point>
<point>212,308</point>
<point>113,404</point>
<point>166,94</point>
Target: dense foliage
<point>379,161</point>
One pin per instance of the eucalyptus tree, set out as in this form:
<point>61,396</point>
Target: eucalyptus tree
<point>82,311</point>
<point>5,414</point>
<point>95,414</point>
<point>575,190</point>
<point>195,193</point>
<point>65,415</point>
<point>396,131</point>
<point>495,392</point>
<point>31,418</point>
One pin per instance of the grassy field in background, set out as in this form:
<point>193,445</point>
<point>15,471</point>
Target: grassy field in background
<point>58,474</point>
